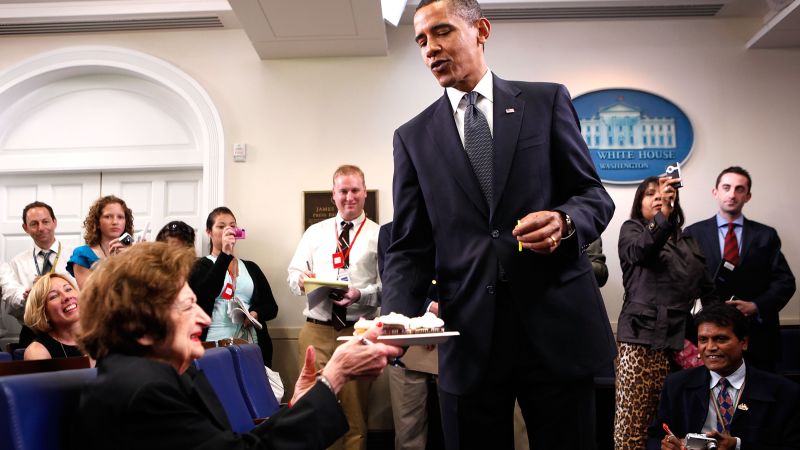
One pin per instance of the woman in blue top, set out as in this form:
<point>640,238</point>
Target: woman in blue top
<point>220,277</point>
<point>108,218</point>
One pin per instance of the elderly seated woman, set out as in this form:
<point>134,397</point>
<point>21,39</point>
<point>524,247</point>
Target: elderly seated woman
<point>52,312</point>
<point>142,324</point>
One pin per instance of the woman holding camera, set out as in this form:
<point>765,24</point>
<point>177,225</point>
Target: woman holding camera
<point>220,278</point>
<point>108,220</point>
<point>663,274</point>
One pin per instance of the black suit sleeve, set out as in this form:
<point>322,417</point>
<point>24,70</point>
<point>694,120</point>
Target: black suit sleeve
<point>384,239</point>
<point>577,190</point>
<point>781,281</point>
<point>411,258</point>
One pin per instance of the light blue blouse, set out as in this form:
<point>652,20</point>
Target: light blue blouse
<point>221,325</point>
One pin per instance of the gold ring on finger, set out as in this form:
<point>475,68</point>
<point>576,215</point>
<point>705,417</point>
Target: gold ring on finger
<point>555,242</point>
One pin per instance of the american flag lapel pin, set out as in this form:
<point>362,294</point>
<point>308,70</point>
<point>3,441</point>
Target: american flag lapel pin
<point>509,110</point>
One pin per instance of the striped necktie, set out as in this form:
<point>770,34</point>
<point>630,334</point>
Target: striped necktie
<point>731,251</point>
<point>47,266</point>
<point>478,145</point>
<point>339,313</point>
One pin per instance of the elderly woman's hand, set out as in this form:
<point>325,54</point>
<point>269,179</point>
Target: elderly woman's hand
<point>359,357</point>
<point>308,376</point>
<point>352,359</point>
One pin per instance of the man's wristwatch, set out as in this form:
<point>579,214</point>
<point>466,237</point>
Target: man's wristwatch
<point>570,230</point>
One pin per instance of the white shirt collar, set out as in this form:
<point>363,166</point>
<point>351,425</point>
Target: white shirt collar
<point>53,247</point>
<point>736,379</point>
<point>356,222</point>
<point>484,87</point>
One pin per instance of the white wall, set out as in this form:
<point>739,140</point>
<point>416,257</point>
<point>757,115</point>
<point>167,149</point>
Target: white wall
<point>302,118</point>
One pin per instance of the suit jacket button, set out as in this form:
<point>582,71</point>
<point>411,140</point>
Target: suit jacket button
<point>495,234</point>
<point>490,289</point>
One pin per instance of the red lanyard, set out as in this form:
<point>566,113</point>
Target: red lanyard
<point>352,243</point>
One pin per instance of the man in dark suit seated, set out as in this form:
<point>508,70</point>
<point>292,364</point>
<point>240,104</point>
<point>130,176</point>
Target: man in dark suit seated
<point>738,405</point>
<point>754,276</point>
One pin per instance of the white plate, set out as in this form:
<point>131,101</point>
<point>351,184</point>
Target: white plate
<point>404,340</point>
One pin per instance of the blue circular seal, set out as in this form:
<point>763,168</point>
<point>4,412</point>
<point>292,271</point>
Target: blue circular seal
<point>633,134</point>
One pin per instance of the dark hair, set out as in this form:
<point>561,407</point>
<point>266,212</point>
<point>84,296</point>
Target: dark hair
<point>212,216</point>
<point>469,10</point>
<point>130,297</point>
<point>737,170</point>
<point>36,204</point>
<point>724,315</point>
<point>179,230</point>
<point>636,209</point>
<point>92,222</point>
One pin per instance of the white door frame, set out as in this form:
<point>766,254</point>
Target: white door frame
<point>196,109</point>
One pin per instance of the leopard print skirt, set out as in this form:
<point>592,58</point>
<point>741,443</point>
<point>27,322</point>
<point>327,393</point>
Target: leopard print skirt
<point>640,373</point>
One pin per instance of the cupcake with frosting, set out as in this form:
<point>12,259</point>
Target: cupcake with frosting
<point>362,326</point>
<point>394,323</point>
<point>427,323</point>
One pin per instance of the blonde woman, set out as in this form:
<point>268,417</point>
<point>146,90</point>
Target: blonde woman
<point>52,312</point>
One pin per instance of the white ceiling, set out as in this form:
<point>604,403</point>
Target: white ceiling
<point>331,28</point>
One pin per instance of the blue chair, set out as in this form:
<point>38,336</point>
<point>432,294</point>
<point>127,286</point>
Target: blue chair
<point>37,410</point>
<point>789,365</point>
<point>18,354</point>
<point>217,365</point>
<point>253,381</point>
<point>5,356</point>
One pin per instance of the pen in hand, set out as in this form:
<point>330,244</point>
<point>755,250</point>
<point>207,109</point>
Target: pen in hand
<point>392,362</point>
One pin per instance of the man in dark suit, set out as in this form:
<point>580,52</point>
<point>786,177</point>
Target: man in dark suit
<point>761,282</point>
<point>496,196</point>
<point>738,405</point>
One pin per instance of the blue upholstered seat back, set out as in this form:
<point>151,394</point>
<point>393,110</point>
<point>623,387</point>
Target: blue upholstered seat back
<point>253,380</point>
<point>217,365</point>
<point>29,402</point>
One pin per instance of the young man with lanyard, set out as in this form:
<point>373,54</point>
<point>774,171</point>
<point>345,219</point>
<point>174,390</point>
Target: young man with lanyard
<point>344,248</point>
<point>46,255</point>
<point>727,399</point>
